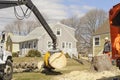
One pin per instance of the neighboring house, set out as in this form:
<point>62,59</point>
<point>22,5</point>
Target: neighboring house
<point>4,44</point>
<point>12,43</point>
<point>39,39</point>
<point>98,38</point>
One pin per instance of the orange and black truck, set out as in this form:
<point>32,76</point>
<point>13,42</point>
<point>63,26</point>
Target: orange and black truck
<point>114,21</point>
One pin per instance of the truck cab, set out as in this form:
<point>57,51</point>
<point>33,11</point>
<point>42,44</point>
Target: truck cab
<point>114,20</point>
<point>6,68</point>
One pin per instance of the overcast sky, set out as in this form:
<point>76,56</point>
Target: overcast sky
<point>56,10</point>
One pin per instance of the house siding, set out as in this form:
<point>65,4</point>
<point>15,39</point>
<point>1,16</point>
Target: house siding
<point>9,46</point>
<point>24,47</point>
<point>12,47</point>
<point>43,43</point>
<point>67,35</point>
<point>99,49</point>
<point>15,47</point>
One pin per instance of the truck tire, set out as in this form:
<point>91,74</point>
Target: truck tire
<point>8,71</point>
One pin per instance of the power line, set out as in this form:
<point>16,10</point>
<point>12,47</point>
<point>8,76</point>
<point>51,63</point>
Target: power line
<point>7,18</point>
<point>6,21</point>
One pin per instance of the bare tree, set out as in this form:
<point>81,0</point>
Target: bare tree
<point>30,25</point>
<point>90,22</point>
<point>72,22</point>
<point>86,27</point>
<point>93,19</point>
<point>15,27</point>
<point>24,27</point>
<point>9,28</point>
<point>19,27</point>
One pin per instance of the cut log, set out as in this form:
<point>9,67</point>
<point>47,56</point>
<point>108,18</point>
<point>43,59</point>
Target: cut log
<point>102,63</point>
<point>57,60</point>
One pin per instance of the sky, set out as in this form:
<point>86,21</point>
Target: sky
<point>57,10</point>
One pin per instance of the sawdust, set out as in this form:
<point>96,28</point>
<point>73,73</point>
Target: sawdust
<point>87,75</point>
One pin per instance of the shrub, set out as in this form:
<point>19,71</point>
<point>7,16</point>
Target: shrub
<point>33,53</point>
<point>67,55</point>
<point>15,54</point>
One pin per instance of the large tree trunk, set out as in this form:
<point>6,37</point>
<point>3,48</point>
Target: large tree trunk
<point>102,63</point>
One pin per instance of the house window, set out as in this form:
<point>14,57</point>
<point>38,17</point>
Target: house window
<point>97,41</point>
<point>63,44</point>
<point>26,45</point>
<point>49,44</point>
<point>30,45</point>
<point>66,44</point>
<point>70,45</point>
<point>22,45</point>
<point>58,32</point>
<point>34,44</point>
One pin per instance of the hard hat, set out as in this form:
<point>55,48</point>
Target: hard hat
<point>106,38</point>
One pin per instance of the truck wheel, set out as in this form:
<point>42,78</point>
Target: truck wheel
<point>8,71</point>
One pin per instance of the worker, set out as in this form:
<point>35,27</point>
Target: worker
<point>107,47</point>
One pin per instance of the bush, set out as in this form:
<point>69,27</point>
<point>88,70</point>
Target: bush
<point>67,55</point>
<point>33,53</point>
<point>15,54</point>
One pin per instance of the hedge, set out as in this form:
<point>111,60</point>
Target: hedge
<point>15,54</point>
<point>33,53</point>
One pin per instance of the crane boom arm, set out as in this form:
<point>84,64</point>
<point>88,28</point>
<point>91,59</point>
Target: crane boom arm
<point>6,4</point>
<point>33,8</point>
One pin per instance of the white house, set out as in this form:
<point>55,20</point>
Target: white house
<point>39,39</point>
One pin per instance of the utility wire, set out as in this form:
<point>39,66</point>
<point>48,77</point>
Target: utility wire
<point>7,18</point>
<point>25,13</point>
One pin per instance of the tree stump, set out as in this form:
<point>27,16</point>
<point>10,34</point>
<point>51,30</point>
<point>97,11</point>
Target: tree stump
<point>102,63</point>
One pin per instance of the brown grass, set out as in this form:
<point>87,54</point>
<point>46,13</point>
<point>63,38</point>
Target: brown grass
<point>26,59</point>
<point>72,65</point>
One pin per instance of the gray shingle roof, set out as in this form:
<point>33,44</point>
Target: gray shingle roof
<point>17,38</point>
<point>37,33</point>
